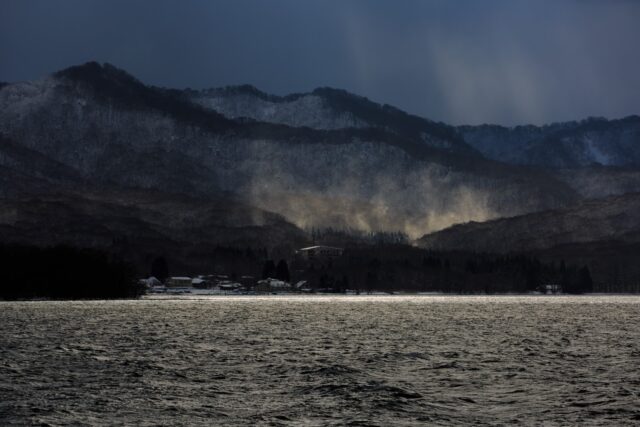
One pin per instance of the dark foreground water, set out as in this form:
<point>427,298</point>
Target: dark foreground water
<point>322,361</point>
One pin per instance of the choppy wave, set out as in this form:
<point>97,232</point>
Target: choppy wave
<point>322,361</point>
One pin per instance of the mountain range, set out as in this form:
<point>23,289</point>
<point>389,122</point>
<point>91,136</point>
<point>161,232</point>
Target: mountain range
<point>92,138</point>
<point>589,142</point>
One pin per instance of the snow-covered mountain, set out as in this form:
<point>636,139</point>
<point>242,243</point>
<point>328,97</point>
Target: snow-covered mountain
<point>327,108</point>
<point>391,171</point>
<point>298,110</point>
<point>593,141</point>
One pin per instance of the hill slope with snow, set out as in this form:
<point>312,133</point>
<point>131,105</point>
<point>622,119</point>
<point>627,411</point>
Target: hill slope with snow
<point>562,145</point>
<point>112,130</point>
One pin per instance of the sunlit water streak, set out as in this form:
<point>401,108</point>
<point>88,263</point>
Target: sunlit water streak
<point>318,360</point>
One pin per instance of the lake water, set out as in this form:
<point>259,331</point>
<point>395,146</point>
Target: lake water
<point>322,361</point>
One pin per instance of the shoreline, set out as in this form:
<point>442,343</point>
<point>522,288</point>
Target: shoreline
<point>335,297</point>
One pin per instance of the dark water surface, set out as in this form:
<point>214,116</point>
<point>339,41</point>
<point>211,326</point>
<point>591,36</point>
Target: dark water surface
<point>322,361</point>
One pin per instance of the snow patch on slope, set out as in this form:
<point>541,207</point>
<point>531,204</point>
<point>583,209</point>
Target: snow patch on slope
<point>307,110</point>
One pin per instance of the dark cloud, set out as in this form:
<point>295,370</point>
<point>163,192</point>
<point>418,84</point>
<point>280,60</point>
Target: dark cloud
<point>461,62</point>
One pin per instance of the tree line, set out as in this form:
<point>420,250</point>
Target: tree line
<point>73,273</point>
<point>64,273</point>
<point>386,268</point>
<point>399,267</point>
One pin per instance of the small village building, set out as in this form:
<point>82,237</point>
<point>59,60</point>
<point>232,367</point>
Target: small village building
<point>551,288</point>
<point>150,282</point>
<point>229,286</point>
<point>271,285</point>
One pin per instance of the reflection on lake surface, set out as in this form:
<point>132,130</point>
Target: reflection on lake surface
<point>322,360</point>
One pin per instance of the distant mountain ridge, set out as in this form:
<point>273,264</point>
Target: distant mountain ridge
<point>413,175</point>
<point>328,109</point>
<point>557,145</point>
<point>96,144</point>
<point>573,152</point>
<point>593,141</point>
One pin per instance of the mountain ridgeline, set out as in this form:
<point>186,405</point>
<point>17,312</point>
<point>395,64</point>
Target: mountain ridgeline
<point>243,167</point>
<point>593,141</point>
<point>404,173</point>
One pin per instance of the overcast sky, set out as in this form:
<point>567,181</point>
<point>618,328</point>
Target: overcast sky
<point>507,62</point>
